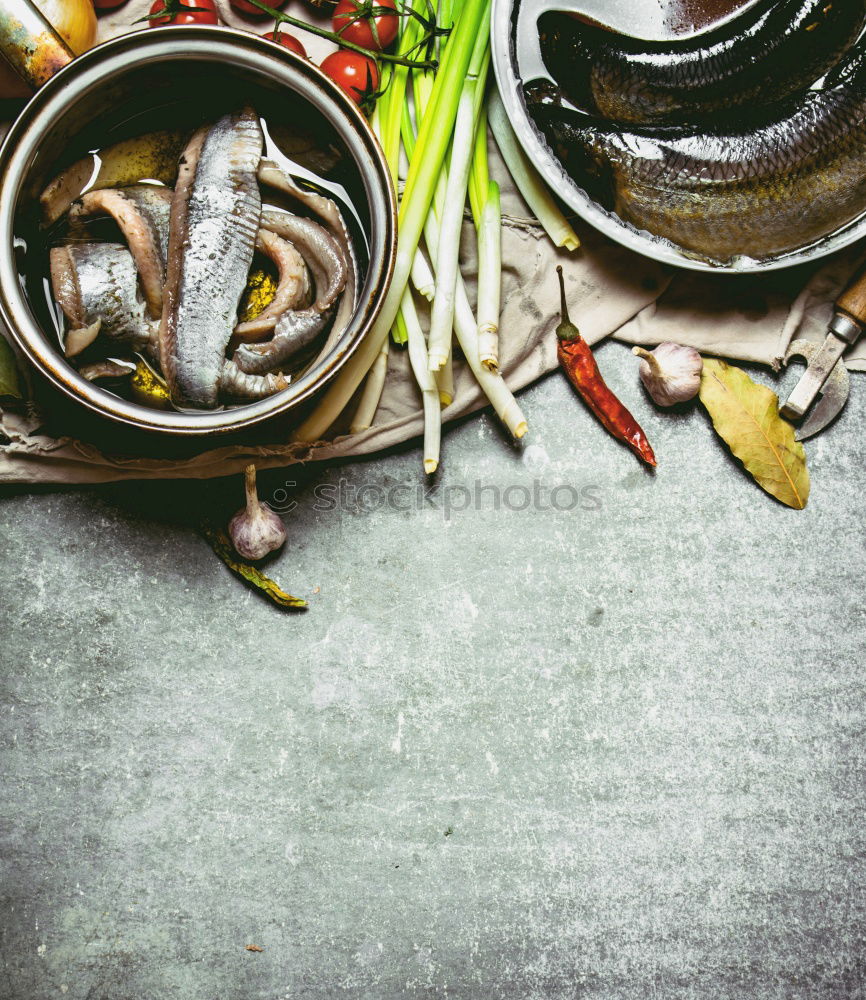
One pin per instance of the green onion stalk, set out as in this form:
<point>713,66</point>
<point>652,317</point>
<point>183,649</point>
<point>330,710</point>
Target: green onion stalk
<point>465,326</point>
<point>385,123</point>
<point>414,334</point>
<point>527,179</point>
<point>487,214</point>
<point>451,220</point>
<point>434,134</point>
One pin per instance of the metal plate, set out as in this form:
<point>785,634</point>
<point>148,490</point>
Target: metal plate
<point>517,57</point>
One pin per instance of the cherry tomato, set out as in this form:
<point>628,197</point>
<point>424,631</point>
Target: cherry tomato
<point>357,75</point>
<point>246,9</point>
<point>108,4</point>
<point>207,16</point>
<point>362,23</point>
<point>289,41</point>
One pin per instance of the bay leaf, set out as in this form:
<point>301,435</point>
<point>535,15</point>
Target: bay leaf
<point>252,575</point>
<point>746,417</point>
<point>10,383</point>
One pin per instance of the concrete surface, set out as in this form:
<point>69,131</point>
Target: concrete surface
<point>612,752</point>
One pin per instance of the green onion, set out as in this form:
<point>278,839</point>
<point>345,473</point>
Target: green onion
<point>465,326</point>
<point>489,278</point>
<point>527,179</point>
<point>426,382</point>
<point>422,276</point>
<point>445,380</point>
<point>451,218</point>
<point>433,138</point>
<point>369,402</point>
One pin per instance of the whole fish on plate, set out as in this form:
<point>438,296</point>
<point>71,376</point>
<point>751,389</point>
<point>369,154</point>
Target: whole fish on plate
<point>762,56</point>
<point>736,189</point>
<point>214,221</point>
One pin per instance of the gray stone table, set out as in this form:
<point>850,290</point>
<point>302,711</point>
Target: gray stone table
<point>615,751</point>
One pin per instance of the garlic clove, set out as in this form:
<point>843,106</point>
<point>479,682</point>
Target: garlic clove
<point>671,373</point>
<point>255,530</point>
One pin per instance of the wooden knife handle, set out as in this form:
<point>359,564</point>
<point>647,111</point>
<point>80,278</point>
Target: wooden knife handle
<point>853,300</point>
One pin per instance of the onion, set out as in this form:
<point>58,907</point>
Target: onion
<point>73,20</point>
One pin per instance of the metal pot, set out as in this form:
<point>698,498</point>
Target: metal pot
<point>131,76</point>
<point>516,58</point>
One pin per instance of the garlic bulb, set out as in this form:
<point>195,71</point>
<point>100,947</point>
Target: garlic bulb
<point>255,530</point>
<point>671,373</point>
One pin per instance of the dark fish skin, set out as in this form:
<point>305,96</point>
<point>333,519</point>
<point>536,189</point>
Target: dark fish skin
<point>758,192</point>
<point>761,57</point>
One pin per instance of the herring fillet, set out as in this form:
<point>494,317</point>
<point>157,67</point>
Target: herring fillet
<point>142,213</point>
<point>97,283</point>
<point>214,221</point>
<point>295,330</point>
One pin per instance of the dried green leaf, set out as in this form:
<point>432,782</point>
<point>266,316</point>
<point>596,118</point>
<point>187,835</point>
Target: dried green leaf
<point>220,543</point>
<point>746,417</point>
<point>10,382</point>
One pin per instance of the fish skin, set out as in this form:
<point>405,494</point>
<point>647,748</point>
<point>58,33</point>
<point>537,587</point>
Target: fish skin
<point>293,285</point>
<point>98,282</point>
<point>142,213</point>
<point>295,330</point>
<point>763,56</point>
<point>238,385</point>
<point>279,180</point>
<point>153,155</point>
<point>787,181</point>
<point>106,369</point>
<point>214,221</point>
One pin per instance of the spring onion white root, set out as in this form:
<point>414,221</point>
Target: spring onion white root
<point>422,276</point>
<point>492,383</point>
<point>445,380</point>
<point>426,383</point>
<point>527,179</point>
<point>372,393</point>
<point>489,279</point>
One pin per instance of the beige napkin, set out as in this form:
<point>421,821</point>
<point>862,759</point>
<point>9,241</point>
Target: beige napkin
<point>611,291</point>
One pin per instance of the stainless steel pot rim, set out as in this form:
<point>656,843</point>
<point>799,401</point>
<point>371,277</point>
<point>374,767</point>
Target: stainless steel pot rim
<point>506,70</point>
<point>242,49</point>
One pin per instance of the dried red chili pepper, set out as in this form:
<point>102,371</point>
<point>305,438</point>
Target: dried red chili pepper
<point>579,365</point>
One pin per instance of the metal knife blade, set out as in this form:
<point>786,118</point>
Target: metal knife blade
<point>841,335</point>
<point>834,394</point>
